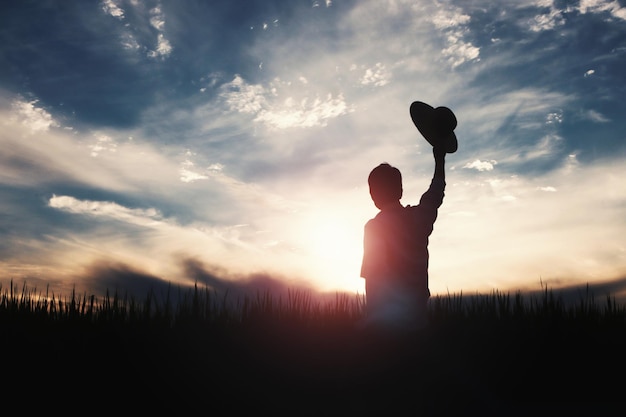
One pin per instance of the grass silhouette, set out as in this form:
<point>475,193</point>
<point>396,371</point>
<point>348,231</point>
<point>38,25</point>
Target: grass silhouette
<point>196,350</point>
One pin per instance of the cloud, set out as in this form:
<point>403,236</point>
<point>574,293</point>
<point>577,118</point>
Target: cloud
<point>548,189</point>
<point>276,107</point>
<point>128,41</point>
<point>103,143</point>
<point>481,165</point>
<point>108,209</point>
<point>36,118</point>
<point>525,108</point>
<point>103,277</point>
<point>110,7</point>
<point>187,175</point>
<point>453,23</point>
<point>243,97</point>
<point>377,76</point>
<point>134,36</point>
<point>548,145</point>
<point>306,113</point>
<point>37,154</point>
<point>317,3</point>
<point>238,287</point>
<point>554,17</point>
<point>554,117</point>
<point>600,6</point>
<point>595,116</point>
<point>548,21</point>
<point>157,19</point>
<point>163,49</point>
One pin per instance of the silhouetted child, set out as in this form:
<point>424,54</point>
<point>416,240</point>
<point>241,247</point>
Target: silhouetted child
<point>395,257</point>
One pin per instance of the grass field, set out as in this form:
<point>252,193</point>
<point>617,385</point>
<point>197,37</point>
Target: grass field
<point>195,351</point>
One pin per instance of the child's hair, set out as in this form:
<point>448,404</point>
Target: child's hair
<point>385,182</point>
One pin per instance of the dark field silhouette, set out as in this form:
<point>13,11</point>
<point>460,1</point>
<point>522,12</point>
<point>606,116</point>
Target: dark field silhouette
<point>498,354</point>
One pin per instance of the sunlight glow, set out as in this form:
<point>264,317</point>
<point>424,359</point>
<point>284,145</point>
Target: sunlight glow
<point>334,243</point>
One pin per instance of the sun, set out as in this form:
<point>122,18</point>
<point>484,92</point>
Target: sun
<point>333,242</point>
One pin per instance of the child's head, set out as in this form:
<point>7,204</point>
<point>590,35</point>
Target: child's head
<point>385,184</point>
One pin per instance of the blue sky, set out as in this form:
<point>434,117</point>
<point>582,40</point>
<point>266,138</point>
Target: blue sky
<point>228,143</point>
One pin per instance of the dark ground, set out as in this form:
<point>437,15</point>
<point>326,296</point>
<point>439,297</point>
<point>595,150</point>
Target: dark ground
<point>495,369</point>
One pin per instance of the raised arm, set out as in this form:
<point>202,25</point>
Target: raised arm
<point>433,197</point>
<point>440,158</point>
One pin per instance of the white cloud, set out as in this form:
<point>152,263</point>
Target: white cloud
<point>459,51</point>
<point>243,97</point>
<point>554,17</point>
<point>110,7</point>
<point>600,6</point>
<point>60,154</point>
<point>36,118</point>
<point>548,21</point>
<point>554,117</point>
<point>327,3</point>
<point>103,143</point>
<point>453,23</point>
<point>571,163</point>
<point>481,165</point>
<point>548,189</point>
<point>377,76</point>
<point>547,145</point>
<point>450,19</point>
<point>129,42</point>
<point>307,114</point>
<point>215,167</point>
<point>189,174</point>
<point>153,18</point>
<point>528,109</point>
<point>107,209</point>
<point>186,175</point>
<point>595,116</point>
<point>265,103</point>
<point>164,48</point>
<point>156,19</point>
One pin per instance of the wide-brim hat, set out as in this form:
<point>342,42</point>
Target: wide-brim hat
<point>435,124</point>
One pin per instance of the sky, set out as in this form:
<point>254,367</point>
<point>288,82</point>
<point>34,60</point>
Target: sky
<point>145,144</point>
